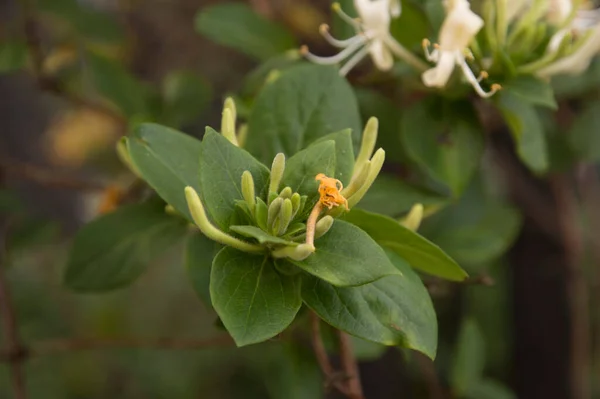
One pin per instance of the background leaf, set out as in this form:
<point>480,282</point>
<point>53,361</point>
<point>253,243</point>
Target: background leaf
<point>448,146</point>
<point>302,105</point>
<point>583,135</point>
<point>221,167</point>
<point>395,310</point>
<point>254,302</point>
<point>185,96</point>
<point>168,160</point>
<point>199,254</point>
<point>117,85</point>
<point>115,249</point>
<point>13,56</point>
<point>469,358</point>
<point>532,90</point>
<point>526,130</point>
<point>236,25</point>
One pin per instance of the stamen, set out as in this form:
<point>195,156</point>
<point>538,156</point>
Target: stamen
<point>482,75</point>
<point>468,73</point>
<point>324,30</point>
<point>432,56</point>
<point>335,58</point>
<point>354,22</point>
<point>354,60</point>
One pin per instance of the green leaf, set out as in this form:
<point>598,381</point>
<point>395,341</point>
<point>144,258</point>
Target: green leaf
<point>532,90</point>
<point>260,235</point>
<point>13,56</point>
<point>583,135</point>
<point>168,160</point>
<point>446,144</point>
<point>526,129</point>
<point>395,310</point>
<point>185,96</point>
<point>199,254</point>
<point>389,114</point>
<point>390,196</point>
<point>418,251</point>
<point>221,167</point>
<point>255,80</point>
<point>237,26</point>
<point>481,240</point>
<point>347,256</point>
<point>577,85</point>
<point>86,22</point>
<point>117,85</point>
<point>412,25</point>
<point>302,105</point>
<point>344,154</point>
<point>115,249</point>
<point>302,168</point>
<point>469,359</point>
<point>254,302</point>
<point>489,389</point>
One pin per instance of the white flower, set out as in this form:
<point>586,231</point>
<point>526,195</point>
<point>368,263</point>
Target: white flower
<point>586,25</point>
<point>372,37</point>
<point>457,31</point>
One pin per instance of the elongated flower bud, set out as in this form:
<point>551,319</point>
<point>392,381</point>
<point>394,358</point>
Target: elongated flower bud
<point>199,215</point>
<point>273,213</point>
<point>285,216</point>
<point>413,220</point>
<point>375,168</point>
<point>248,191</point>
<point>297,253</point>
<point>367,146</point>
<point>228,126</point>
<point>277,169</point>
<point>323,226</point>
<point>286,193</point>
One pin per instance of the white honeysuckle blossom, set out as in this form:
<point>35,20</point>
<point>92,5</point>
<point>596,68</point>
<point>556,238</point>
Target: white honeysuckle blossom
<point>585,27</point>
<point>372,38</point>
<point>457,31</point>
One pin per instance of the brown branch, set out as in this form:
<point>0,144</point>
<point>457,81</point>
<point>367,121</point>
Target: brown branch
<point>46,178</point>
<point>350,367</point>
<point>577,290</point>
<point>14,349</point>
<point>331,379</point>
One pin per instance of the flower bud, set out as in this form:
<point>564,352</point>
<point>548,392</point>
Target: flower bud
<point>367,146</point>
<point>374,169</point>
<point>285,216</point>
<point>248,190</point>
<point>273,212</point>
<point>286,193</point>
<point>277,169</point>
<point>413,219</point>
<point>297,253</point>
<point>323,226</point>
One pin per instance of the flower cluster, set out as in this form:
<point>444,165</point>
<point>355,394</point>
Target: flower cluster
<point>517,28</point>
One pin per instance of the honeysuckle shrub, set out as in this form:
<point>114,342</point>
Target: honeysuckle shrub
<point>338,184</point>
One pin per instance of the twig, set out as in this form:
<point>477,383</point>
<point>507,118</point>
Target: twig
<point>18,169</point>
<point>49,83</point>
<point>15,351</point>
<point>60,346</point>
<point>350,367</point>
<point>322,357</point>
<point>577,290</point>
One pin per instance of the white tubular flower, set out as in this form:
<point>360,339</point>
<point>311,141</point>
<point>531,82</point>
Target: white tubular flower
<point>578,61</point>
<point>586,25</point>
<point>372,38</point>
<point>559,11</point>
<point>458,29</point>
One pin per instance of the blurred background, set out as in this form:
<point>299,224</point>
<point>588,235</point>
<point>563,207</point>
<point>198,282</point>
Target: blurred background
<point>74,74</point>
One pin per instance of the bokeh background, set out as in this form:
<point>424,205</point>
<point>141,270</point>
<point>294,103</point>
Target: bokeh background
<point>519,318</point>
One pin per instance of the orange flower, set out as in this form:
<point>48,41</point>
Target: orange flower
<point>329,190</point>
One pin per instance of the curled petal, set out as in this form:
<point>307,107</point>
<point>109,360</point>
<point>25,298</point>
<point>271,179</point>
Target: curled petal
<point>439,75</point>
